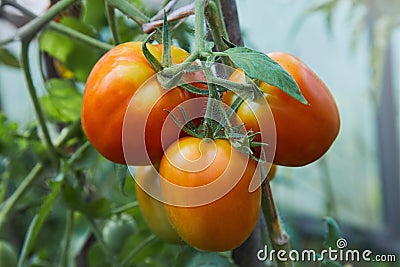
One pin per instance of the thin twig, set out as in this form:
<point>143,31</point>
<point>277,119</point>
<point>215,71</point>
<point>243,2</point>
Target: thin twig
<point>167,9</point>
<point>180,13</point>
<point>279,238</point>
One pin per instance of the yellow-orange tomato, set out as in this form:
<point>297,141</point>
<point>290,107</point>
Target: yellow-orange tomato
<point>303,132</point>
<point>153,210</point>
<point>112,82</point>
<point>272,172</point>
<point>212,209</point>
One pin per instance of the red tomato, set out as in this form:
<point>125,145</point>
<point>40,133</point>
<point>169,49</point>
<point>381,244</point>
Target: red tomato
<point>110,87</point>
<point>303,132</point>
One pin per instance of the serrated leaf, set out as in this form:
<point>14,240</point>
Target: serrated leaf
<point>332,234</point>
<point>64,101</point>
<point>7,58</point>
<point>259,66</point>
<point>190,257</point>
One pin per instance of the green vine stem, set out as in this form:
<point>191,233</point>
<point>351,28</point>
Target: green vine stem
<point>56,27</point>
<point>78,36</point>
<point>99,237</point>
<point>69,223</point>
<point>199,35</point>
<point>137,249</point>
<point>19,192</point>
<point>217,28</point>
<point>112,22</point>
<point>125,208</point>
<point>129,10</point>
<point>279,238</point>
<point>29,31</point>
<point>35,100</point>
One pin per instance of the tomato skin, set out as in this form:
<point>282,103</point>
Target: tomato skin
<point>111,84</point>
<point>153,210</point>
<point>219,225</point>
<point>303,132</point>
<point>272,172</point>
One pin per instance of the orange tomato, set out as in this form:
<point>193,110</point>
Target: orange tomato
<point>303,132</point>
<point>208,180</point>
<point>153,210</point>
<point>112,83</point>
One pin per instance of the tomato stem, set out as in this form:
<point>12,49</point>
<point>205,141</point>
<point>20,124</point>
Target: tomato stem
<point>66,245</point>
<point>112,22</point>
<point>199,34</point>
<point>166,41</point>
<point>217,28</point>
<point>35,100</point>
<point>137,249</point>
<point>99,237</point>
<point>129,10</point>
<point>56,27</point>
<point>278,236</point>
<point>19,192</point>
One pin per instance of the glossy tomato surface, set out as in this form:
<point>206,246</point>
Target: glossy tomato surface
<point>303,132</point>
<point>110,87</point>
<point>209,182</point>
<point>153,210</point>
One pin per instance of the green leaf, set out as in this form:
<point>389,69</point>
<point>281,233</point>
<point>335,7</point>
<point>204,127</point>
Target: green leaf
<point>259,66</point>
<point>8,59</point>
<point>93,13</point>
<point>76,56</point>
<point>97,258</point>
<point>190,257</point>
<point>99,208</point>
<point>121,172</point>
<point>64,101</point>
<point>39,219</point>
<point>332,234</point>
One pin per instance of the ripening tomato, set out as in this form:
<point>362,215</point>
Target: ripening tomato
<point>272,172</point>
<point>303,132</point>
<point>153,210</point>
<point>205,184</point>
<point>112,83</point>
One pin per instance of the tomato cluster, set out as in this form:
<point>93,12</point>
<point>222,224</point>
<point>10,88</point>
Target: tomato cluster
<point>202,190</point>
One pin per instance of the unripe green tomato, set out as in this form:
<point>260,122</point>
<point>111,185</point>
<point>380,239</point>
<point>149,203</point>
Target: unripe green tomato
<point>8,257</point>
<point>117,230</point>
<point>153,210</point>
